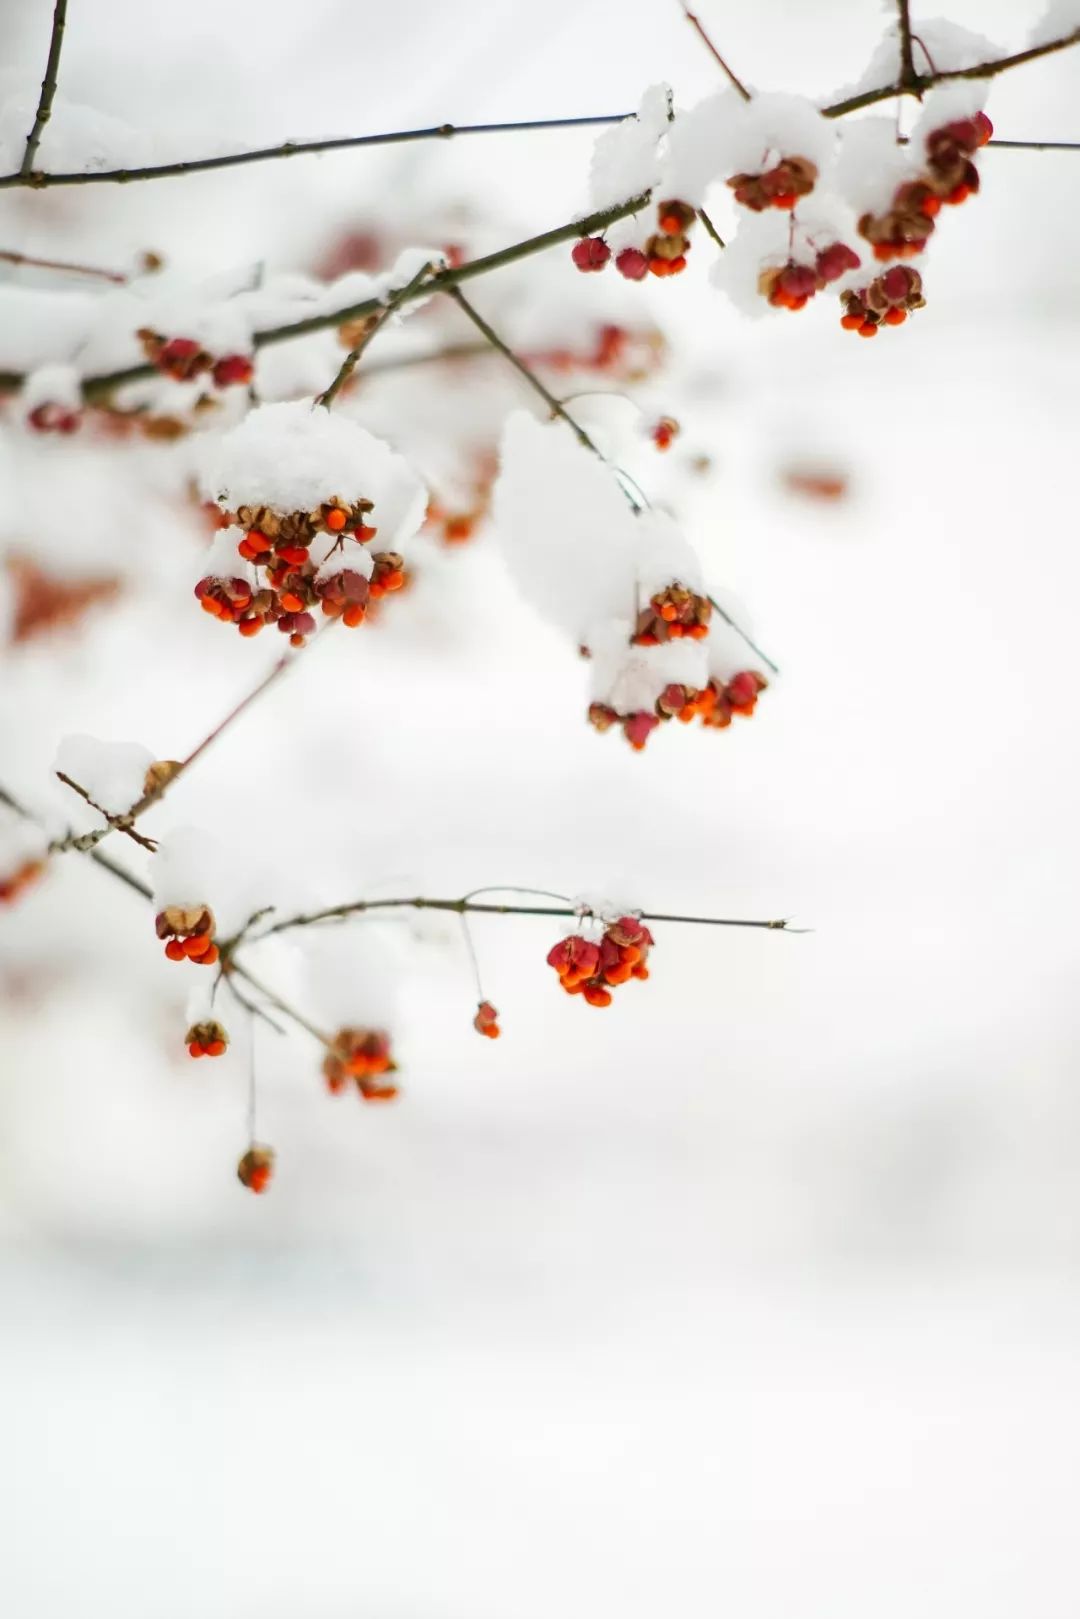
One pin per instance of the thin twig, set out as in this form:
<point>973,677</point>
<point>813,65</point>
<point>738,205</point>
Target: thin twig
<point>48,90</point>
<point>124,823</point>
<point>733,79</point>
<point>95,388</point>
<point>926,81</point>
<point>907,61</point>
<point>9,256</point>
<point>741,633</point>
<point>114,823</point>
<point>263,154</point>
<point>461,907</point>
<point>523,370</point>
<point>711,228</point>
<point>348,365</point>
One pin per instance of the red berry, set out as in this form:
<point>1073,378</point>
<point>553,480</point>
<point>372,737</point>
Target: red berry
<point>590,253</point>
<point>632,263</point>
<point>233,368</point>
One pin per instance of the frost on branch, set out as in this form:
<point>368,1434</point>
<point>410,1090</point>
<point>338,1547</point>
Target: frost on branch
<point>116,775</point>
<point>625,587</point>
<point>23,851</point>
<point>302,491</point>
<point>625,158</point>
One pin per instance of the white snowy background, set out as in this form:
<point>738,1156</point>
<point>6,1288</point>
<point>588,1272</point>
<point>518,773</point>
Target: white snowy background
<point>756,1293</point>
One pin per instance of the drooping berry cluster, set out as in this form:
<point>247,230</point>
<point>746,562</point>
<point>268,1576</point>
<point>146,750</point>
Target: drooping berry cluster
<point>792,285</point>
<point>189,933</point>
<point>294,551</point>
<point>949,177</point>
<point>362,1055</point>
<point>184,358</point>
<point>887,301</point>
<point>664,252</point>
<point>715,704</point>
<point>592,968</point>
<point>778,187</point>
<point>486,1021</point>
<point>255,1168</point>
<point>207,1039</point>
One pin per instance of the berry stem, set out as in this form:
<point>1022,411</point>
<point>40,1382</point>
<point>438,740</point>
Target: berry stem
<point>519,365</point>
<point>907,60</point>
<point>48,91</point>
<point>348,365</point>
<point>699,27</point>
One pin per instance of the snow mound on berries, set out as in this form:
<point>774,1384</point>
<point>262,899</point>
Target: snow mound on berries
<point>55,384</point>
<point>630,678</point>
<point>770,240</point>
<point>188,868</point>
<point>1061,17</point>
<point>295,456</point>
<point>625,160</point>
<point>946,104</point>
<point>564,525</point>
<point>574,546</point>
<point>725,135</point>
<point>21,842</point>
<point>871,165</point>
<point>113,773</point>
<point>950,47</point>
<point>221,560</point>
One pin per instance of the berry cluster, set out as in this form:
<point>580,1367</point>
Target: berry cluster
<point>189,932</point>
<point>593,968</point>
<point>715,704</point>
<point>206,1039</point>
<point>664,252</point>
<point>255,1168</point>
<point>183,358</point>
<point>664,432</point>
<point>949,177</point>
<point>778,187</point>
<point>362,1055</point>
<point>887,301</point>
<point>792,285</point>
<point>671,614</point>
<point>295,581</point>
<point>486,1021</point>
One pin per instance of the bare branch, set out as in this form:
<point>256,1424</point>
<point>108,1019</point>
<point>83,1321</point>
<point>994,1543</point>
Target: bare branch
<point>9,256</point>
<point>48,91</point>
<point>348,365</point>
<point>711,228</point>
<point>340,143</point>
<point>114,823</point>
<point>696,23</point>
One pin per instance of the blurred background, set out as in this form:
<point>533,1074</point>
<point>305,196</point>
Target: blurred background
<point>758,1292</point>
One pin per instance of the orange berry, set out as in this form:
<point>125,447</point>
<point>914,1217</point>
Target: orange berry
<point>394,580</point>
<point>258,541</point>
<point>851,323</point>
<point>675,631</point>
<point>364,532</point>
<point>669,612</point>
<point>336,519</point>
<point>210,958</point>
<point>246,550</point>
<point>597,997</point>
<point>630,954</point>
<point>209,605</point>
<point>697,632</point>
<point>292,603</point>
<point>618,974</point>
<point>295,555</point>
<point>196,945</point>
<point>215,1048</point>
<point>353,615</point>
<point>194,1049</point>
<point>175,950</point>
<point>786,200</point>
<point>868,329</point>
<point>930,205</point>
<point>895,317</point>
<point>250,626</point>
<point>640,971</point>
